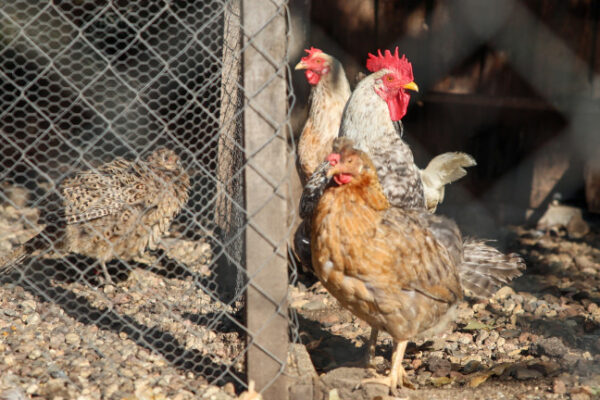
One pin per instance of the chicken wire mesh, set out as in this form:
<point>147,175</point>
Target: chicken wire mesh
<point>85,85</point>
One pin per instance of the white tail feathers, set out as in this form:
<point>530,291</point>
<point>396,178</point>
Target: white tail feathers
<point>442,170</point>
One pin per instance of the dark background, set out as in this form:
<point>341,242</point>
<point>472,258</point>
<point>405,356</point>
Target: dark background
<point>514,83</point>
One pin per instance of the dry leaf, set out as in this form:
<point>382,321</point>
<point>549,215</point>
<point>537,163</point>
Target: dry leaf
<point>481,377</point>
<point>441,381</point>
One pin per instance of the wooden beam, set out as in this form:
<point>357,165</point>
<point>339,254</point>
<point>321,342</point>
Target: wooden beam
<point>550,164</point>
<point>267,176</point>
<point>229,213</point>
<point>592,185</point>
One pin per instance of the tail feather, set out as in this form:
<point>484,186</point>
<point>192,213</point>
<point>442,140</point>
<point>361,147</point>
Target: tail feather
<point>449,167</point>
<point>485,269</point>
<point>12,260</point>
<point>302,245</point>
<point>442,170</point>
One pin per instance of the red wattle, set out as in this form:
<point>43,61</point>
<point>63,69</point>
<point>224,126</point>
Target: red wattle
<point>342,179</point>
<point>312,77</point>
<point>397,105</point>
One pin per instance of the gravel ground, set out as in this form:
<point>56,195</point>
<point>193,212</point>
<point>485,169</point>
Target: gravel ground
<point>154,334</point>
<point>539,338</point>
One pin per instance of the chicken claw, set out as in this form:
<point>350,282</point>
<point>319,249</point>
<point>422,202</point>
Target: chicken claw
<point>397,376</point>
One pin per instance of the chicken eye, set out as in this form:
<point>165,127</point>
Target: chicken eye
<point>390,78</point>
<point>318,61</point>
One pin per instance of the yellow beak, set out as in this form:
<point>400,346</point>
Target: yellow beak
<point>333,171</point>
<point>409,86</point>
<point>300,65</point>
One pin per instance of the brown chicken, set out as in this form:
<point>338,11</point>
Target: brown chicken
<point>396,269</point>
<point>399,269</point>
<point>329,93</point>
<point>117,211</point>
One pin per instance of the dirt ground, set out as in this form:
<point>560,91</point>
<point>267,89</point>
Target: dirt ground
<point>153,334</point>
<point>156,335</point>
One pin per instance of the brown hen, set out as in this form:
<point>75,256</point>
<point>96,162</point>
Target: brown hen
<point>116,211</point>
<point>395,268</point>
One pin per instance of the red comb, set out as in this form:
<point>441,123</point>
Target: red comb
<point>333,159</point>
<point>311,52</point>
<point>391,62</point>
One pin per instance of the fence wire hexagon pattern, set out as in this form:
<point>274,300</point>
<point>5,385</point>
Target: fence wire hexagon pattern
<point>122,174</point>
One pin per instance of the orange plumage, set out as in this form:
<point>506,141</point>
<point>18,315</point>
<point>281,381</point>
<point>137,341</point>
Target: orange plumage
<point>394,268</point>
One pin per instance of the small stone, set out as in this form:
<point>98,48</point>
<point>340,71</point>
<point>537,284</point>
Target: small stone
<point>580,396</point>
<point>524,337</point>
<point>438,366</point>
<point>465,339</point>
<point>32,388</point>
<point>552,347</point>
<point>34,354</point>
<point>481,336</point>
<point>471,367</point>
<point>559,387</point>
<point>9,360</point>
<point>416,363</point>
<point>314,305</point>
<point>72,339</point>
<point>530,306</point>
<point>504,292</point>
<point>57,340</point>
<point>33,319</point>
<point>28,306</point>
<point>510,333</point>
<point>330,319</point>
<point>522,373</point>
<point>109,289</point>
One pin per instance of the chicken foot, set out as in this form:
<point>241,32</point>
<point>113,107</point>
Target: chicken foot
<point>397,376</point>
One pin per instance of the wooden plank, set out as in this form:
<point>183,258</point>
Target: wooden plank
<point>563,45</point>
<point>592,185</point>
<point>265,114</point>
<point>550,165</point>
<point>230,187</point>
<point>300,40</point>
<point>349,22</point>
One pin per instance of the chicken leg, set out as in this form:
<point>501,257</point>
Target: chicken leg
<point>397,376</point>
<point>107,278</point>
<point>371,345</point>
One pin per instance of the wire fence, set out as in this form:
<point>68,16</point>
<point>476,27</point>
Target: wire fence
<point>123,164</point>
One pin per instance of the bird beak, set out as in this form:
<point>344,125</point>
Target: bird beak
<point>334,171</point>
<point>300,65</point>
<point>411,86</point>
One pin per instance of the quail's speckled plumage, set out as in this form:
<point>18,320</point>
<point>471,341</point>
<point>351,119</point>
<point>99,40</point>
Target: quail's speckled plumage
<point>114,212</point>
